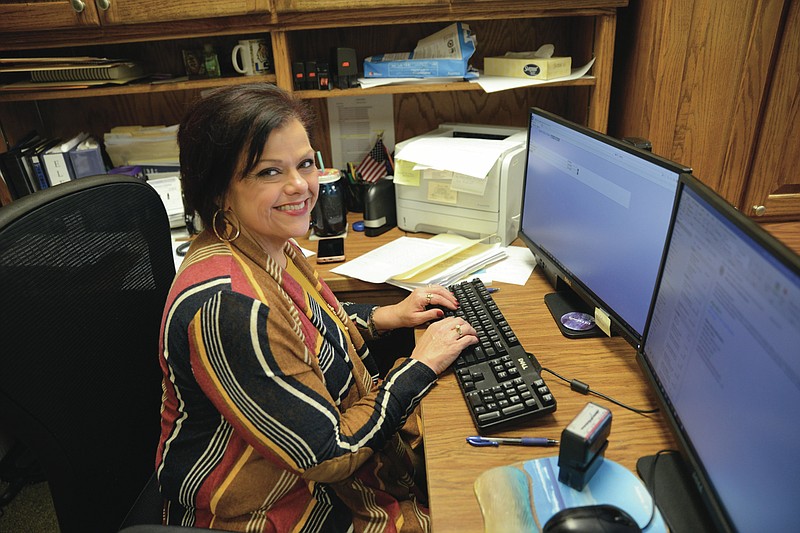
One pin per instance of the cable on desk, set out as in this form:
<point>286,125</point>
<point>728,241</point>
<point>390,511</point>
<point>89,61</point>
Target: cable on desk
<point>583,388</point>
<point>652,490</point>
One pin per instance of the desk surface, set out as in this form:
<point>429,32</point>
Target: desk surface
<point>607,365</point>
<point>356,244</point>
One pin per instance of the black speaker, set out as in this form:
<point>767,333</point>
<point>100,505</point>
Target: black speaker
<point>299,75</point>
<point>380,210</point>
<point>345,67</point>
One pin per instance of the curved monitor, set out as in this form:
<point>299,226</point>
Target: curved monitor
<point>721,348</point>
<point>595,213</point>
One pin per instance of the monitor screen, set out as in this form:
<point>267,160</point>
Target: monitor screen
<point>723,350</point>
<point>595,213</point>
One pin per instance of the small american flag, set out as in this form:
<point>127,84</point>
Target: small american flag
<point>376,164</point>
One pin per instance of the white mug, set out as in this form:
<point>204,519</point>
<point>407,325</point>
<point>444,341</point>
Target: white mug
<point>254,56</point>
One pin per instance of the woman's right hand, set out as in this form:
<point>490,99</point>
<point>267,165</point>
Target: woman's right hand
<point>443,341</point>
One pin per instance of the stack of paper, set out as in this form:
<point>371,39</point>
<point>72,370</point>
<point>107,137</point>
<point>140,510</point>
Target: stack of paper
<point>411,262</point>
<point>141,145</point>
<point>168,188</point>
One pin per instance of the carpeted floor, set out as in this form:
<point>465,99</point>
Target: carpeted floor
<point>31,511</point>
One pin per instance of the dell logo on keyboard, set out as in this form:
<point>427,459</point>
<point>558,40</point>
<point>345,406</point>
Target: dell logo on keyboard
<point>522,364</point>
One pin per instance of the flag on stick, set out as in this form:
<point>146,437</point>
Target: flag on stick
<point>377,163</point>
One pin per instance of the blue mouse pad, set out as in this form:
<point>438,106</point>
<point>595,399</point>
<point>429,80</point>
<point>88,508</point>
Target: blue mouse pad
<point>525,496</point>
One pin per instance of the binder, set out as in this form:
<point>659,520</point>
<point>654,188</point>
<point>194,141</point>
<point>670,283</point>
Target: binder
<point>15,172</point>
<point>34,158</point>
<point>87,159</point>
<point>57,163</point>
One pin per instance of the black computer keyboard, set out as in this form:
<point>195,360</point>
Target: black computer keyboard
<point>500,381</point>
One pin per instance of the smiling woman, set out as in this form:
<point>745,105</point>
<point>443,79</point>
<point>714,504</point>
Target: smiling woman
<point>274,417</point>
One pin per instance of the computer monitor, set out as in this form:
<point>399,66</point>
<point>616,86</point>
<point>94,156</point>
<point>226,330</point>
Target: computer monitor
<point>722,348</point>
<point>595,213</point>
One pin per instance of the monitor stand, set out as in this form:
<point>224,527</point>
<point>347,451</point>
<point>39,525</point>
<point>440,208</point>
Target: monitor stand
<point>674,492</point>
<point>565,301</point>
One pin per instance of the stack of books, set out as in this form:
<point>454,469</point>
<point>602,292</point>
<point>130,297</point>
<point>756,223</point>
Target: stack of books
<point>66,72</point>
<point>37,162</point>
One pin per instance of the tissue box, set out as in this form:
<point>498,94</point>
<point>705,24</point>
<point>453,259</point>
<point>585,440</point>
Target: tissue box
<point>530,68</point>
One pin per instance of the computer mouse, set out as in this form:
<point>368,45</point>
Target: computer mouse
<point>601,518</point>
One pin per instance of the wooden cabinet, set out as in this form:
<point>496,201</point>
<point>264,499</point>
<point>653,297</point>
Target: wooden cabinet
<point>141,11</point>
<point>583,29</point>
<point>61,14</point>
<point>772,187</point>
<point>317,6</point>
<point>51,14</point>
<point>714,85</point>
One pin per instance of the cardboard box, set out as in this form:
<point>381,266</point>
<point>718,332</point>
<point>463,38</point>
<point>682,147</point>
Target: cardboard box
<point>443,54</point>
<point>529,68</point>
<point>393,66</point>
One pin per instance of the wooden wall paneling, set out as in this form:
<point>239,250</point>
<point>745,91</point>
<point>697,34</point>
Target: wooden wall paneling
<point>671,45</point>
<point>690,77</point>
<point>320,138</point>
<point>17,120</point>
<point>774,180</point>
<point>637,50</point>
<point>98,115</point>
<point>416,114</point>
<point>711,85</point>
<point>753,82</point>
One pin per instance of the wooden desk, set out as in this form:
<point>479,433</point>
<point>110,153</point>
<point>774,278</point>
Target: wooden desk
<point>356,244</point>
<point>607,365</point>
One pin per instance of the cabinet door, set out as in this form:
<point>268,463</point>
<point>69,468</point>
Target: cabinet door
<point>50,14</point>
<point>284,6</point>
<point>773,188</point>
<point>142,11</point>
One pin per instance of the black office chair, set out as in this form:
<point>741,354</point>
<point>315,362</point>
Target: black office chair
<point>84,272</point>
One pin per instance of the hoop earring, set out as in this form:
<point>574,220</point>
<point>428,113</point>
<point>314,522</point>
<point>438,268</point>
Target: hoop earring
<point>226,223</point>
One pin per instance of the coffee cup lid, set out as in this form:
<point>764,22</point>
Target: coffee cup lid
<point>329,175</point>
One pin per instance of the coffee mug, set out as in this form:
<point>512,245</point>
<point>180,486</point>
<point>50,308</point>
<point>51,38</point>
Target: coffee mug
<point>329,216</point>
<point>254,57</point>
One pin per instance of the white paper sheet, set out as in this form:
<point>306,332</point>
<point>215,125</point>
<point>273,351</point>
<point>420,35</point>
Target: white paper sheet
<point>515,269</point>
<point>473,157</point>
<point>396,257</point>
<point>354,124</point>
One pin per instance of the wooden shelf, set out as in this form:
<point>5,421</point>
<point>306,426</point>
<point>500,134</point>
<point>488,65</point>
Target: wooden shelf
<point>413,88</point>
<point>582,29</point>
<point>131,89</point>
<point>152,88</point>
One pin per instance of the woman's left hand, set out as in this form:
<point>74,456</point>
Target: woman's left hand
<point>417,308</point>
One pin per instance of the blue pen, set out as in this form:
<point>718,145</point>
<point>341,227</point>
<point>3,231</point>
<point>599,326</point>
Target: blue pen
<point>492,289</point>
<point>522,441</point>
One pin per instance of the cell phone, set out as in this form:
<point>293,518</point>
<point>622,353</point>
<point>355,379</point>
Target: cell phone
<point>330,250</point>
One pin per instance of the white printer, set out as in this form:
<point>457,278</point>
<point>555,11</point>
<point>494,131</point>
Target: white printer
<point>431,205</point>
